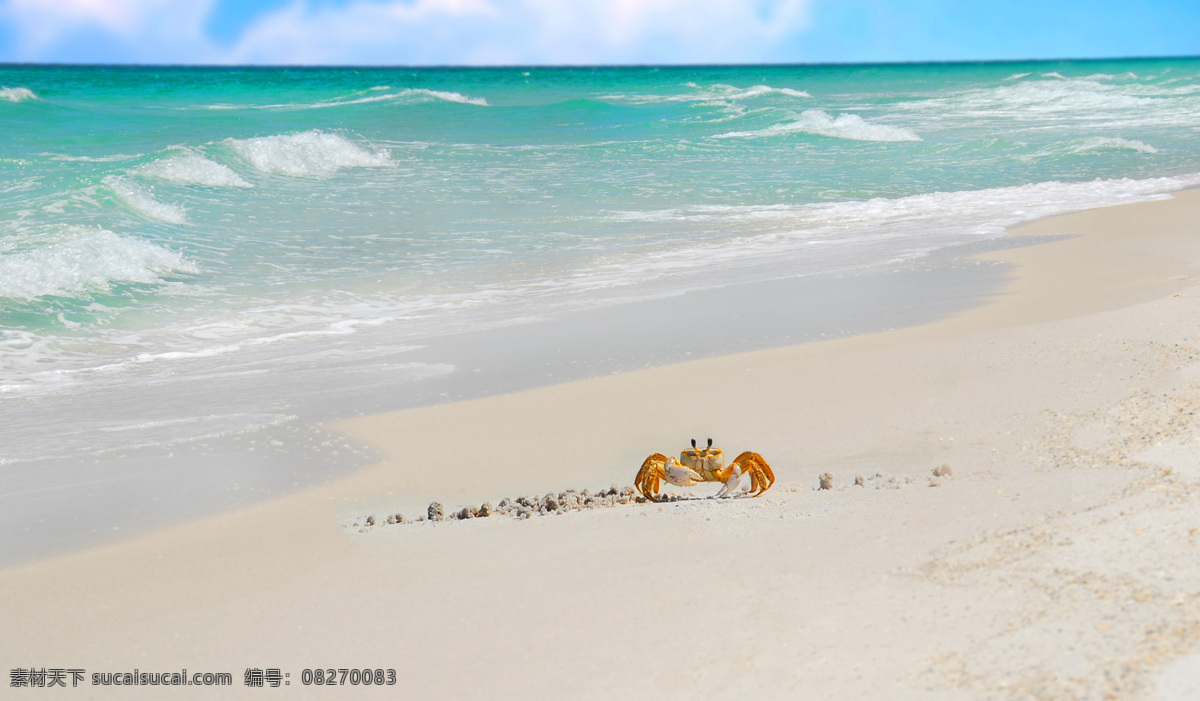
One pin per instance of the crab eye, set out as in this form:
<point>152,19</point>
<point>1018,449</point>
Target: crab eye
<point>693,442</point>
<point>709,442</point>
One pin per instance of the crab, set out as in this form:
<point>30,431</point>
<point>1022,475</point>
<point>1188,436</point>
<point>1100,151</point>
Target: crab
<point>705,464</point>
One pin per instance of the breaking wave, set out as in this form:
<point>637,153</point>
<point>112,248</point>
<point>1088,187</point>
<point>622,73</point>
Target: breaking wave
<point>17,94</point>
<point>1100,143</point>
<point>141,202</point>
<point>193,169</point>
<point>77,259</point>
<point>855,233</point>
<point>713,93</point>
<point>308,154</point>
<point>844,126</point>
<point>406,96</point>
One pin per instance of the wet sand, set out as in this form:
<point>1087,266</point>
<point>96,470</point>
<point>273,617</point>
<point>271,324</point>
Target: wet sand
<point>1061,559</point>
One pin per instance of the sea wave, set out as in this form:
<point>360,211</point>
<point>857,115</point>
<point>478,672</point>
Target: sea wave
<point>821,123</point>
<point>1098,143</point>
<point>142,202</point>
<point>1088,145</point>
<point>189,168</point>
<point>67,158</point>
<point>870,232</point>
<point>713,93</point>
<point>406,96</point>
<point>308,154</point>
<point>73,259</point>
<point>17,94</point>
<point>1063,103</point>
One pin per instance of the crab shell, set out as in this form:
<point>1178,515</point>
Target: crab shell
<point>704,465</point>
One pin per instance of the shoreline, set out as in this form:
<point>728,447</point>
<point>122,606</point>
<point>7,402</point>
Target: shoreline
<point>145,486</point>
<point>1033,568</point>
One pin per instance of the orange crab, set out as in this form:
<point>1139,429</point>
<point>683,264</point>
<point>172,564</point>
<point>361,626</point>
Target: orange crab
<point>703,465</point>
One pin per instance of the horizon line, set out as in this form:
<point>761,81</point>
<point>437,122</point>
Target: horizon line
<point>562,66</point>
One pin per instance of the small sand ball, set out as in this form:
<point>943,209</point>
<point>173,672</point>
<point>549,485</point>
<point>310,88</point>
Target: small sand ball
<point>435,511</point>
<point>523,513</point>
<point>505,503</point>
<point>551,503</point>
<point>826,481</point>
<point>628,491</point>
<point>485,509</point>
<point>395,518</point>
<point>370,520</point>
<point>859,480</point>
<point>943,471</point>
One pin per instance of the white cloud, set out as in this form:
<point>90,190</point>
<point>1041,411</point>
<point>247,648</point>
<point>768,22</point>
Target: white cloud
<point>362,32</point>
<point>603,31</point>
<point>416,32</point>
<point>525,31</point>
<point>41,27</point>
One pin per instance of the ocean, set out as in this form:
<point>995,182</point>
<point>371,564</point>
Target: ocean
<point>197,255</point>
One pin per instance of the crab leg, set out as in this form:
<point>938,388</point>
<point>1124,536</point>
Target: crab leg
<point>761,476</point>
<point>650,475</point>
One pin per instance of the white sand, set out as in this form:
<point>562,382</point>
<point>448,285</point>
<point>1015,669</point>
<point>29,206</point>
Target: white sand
<point>1062,559</point>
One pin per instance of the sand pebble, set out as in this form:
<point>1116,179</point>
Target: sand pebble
<point>882,480</point>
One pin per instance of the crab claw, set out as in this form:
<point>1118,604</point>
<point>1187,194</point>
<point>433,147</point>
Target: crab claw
<point>680,475</point>
<point>732,483</point>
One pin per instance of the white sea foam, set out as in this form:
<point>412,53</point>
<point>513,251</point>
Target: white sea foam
<point>714,93</point>
<point>1099,143</point>
<point>142,202</point>
<point>757,90</point>
<point>308,154</point>
<point>17,94</point>
<point>844,126</point>
<point>189,168</point>
<point>1064,104</point>
<point>88,159</point>
<point>816,238</point>
<point>449,96</point>
<point>409,96</point>
<point>406,96</point>
<point>1088,145</point>
<point>71,260</point>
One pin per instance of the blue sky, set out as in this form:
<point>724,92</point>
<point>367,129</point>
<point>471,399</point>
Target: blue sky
<point>488,32</point>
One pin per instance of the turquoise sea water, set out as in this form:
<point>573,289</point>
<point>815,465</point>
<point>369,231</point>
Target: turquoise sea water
<point>183,249</point>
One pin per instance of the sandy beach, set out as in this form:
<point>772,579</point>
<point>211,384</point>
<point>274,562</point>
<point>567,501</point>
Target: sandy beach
<point>1061,559</point>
